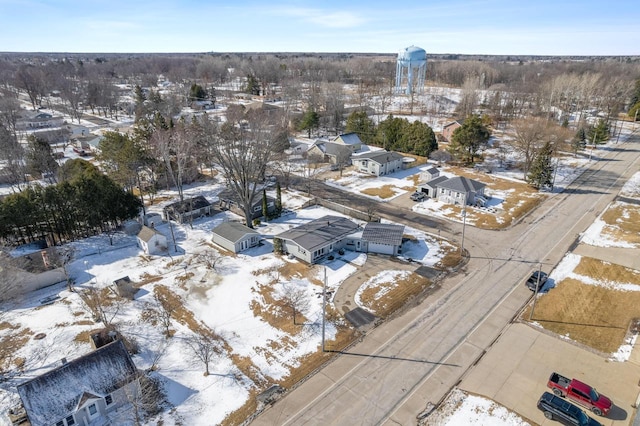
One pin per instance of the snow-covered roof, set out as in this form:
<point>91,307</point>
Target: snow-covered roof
<point>349,139</point>
<point>319,232</point>
<point>56,394</point>
<point>232,231</point>
<point>383,233</point>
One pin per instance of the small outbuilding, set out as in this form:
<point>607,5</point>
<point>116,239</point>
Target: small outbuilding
<point>235,236</point>
<point>151,241</point>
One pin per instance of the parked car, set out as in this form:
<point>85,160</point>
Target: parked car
<point>532,282</point>
<point>580,393</point>
<point>556,408</point>
<point>418,196</point>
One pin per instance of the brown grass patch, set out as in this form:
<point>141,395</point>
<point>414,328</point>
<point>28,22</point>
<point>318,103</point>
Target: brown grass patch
<point>605,271</point>
<point>8,326</point>
<point>240,415</point>
<point>397,295</point>
<point>623,222</point>
<point>84,322</point>
<point>593,315</point>
<point>180,313</point>
<point>85,336</point>
<point>275,313</point>
<point>451,258</point>
<point>385,191</point>
<point>147,279</point>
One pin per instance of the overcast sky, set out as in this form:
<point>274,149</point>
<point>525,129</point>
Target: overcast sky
<point>534,27</point>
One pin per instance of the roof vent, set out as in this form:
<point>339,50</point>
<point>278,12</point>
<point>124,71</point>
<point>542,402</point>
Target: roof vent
<point>63,361</point>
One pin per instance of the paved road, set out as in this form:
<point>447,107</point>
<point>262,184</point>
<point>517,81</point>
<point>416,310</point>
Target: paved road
<point>412,361</point>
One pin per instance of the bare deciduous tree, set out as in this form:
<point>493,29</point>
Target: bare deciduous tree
<point>205,345</point>
<point>295,298</point>
<point>102,304</point>
<point>161,310</point>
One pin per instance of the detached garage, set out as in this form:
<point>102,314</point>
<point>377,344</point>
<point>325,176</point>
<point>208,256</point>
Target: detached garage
<point>383,238</point>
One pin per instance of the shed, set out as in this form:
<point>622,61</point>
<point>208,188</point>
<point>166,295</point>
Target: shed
<point>151,241</point>
<point>383,238</point>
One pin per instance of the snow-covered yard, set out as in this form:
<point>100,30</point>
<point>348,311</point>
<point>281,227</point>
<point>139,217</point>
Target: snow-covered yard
<point>239,300</point>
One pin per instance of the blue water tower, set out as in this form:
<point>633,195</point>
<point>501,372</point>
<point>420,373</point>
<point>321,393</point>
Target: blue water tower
<point>411,70</point>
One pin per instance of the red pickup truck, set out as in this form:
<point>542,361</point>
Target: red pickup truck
<point>580,393</point>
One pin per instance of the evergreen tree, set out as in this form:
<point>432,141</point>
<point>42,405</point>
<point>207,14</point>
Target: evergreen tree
<point>389,132</point>
<point>634,112</point>
<point>418,138</point>
<point>253,85</point>
<point>39,158</point>
<point>469,138</point>
<point>197,93</point>
<point>265,207</point>
<point>278,199</point>
<point>360,123</point>
<point>541,171</point>
<point>599,133</point>
<point>310,121</point>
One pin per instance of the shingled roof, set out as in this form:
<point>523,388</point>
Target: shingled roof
<point>56,394</point>
<point>381,157</point>
<point>320,232</point>
<point>462,184</point>
<point>383,233</point>
<point>232,231</point>
<point>147,233</point>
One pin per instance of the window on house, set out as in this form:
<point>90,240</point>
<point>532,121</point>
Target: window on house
<point>70,421</point>
<point>60,423</point>
<point>108,400</point>
<point>93,410</point>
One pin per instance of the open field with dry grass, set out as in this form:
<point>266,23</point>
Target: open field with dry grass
<point>590,306</point>
<point>622,223</point>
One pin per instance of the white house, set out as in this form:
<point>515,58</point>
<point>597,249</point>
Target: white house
<point>460,190</point>
<point>151,241</point>
<point>83,391</point>
<point>235,236</point>
<point>378,163</point>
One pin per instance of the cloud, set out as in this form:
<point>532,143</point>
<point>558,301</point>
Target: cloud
<point>326,18</point>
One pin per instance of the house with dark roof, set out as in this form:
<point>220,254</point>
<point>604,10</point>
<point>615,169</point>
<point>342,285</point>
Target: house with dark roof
<point>187,210</point>
<point>31,271</point>
<point>228,200</point>
<point>352,140</point>
<point>333,153</point>
<point>460,190</point>
<point>84,391</point>
<point>313,240</point>
<point>151,241</point>
<point>431,186</point>
<point>382,238</point>
<point>30,120</point>
<point>316,239</point>
<point>378,163</point>
<point>235,236</point>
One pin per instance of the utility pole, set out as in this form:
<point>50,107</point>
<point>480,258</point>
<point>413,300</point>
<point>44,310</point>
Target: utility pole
<point>464,224</point>
<point>324,304</point>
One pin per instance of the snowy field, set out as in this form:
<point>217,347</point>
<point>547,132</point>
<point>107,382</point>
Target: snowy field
<point>223,300</point>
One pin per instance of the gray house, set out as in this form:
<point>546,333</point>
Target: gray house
<point>316,239</point>
<point>382,238</point>
<point>83,391</point>
<point>229,201</point>
<point>235,236</point>
<point>352,140</point>
<point>187,210</point>
<point>431,187</point>
<point>461,190</point>
<point>378,162</point>
<point>331,152</point>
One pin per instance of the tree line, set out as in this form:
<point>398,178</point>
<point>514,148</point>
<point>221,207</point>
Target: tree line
<point>86,202</point>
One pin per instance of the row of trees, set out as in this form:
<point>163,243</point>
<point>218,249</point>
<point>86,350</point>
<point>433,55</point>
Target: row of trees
<point>84,203</point>
<point>393,134</point>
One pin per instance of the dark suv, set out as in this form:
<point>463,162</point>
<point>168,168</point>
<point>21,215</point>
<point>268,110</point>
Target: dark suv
<point>533,280</point>
<point>556,408</point>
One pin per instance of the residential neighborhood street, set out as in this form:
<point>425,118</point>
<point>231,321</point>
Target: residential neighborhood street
<point>405,365</point>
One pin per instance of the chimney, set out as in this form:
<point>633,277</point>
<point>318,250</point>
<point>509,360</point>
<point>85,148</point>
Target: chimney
<point>63,361</point>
